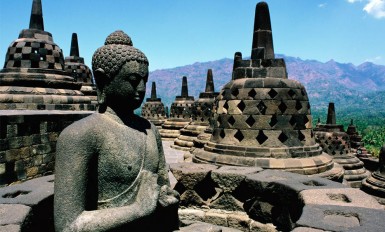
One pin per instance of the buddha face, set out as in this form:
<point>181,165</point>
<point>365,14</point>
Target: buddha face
<point>128,87</point>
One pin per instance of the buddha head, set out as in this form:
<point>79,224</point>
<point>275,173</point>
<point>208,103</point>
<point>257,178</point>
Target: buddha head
<point>121,73</point>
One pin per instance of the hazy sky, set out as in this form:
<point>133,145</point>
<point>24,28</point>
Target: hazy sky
<point>179,32</point>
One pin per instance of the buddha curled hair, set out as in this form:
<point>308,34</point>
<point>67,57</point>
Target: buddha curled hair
<point>117,50</point>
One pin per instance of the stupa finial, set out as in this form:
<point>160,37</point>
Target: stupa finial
<point>209,82</point>
<point>184,92</point>
<point>36,21</point>
<point>153,90</point>
<point>331,119</point>
<point>262,35</point>
<point>74,45</point>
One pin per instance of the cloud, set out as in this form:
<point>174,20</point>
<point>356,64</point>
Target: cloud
<point>376,8</point>
<point>322,5</point>
<point>374,60</point>
<point>353,1</point>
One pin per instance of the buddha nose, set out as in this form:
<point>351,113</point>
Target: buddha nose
<point>141,87</point>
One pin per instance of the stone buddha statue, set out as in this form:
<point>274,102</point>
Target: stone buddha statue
<point>110,172</point>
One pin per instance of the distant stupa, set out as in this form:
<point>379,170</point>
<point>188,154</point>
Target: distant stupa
<point>153,110</point>
<point>180,113</point>
<point>335,142</point>
<point>74,65</point>
<point>202,114</point>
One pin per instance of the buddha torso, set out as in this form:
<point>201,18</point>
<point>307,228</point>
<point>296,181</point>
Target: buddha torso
<point>123,152</point>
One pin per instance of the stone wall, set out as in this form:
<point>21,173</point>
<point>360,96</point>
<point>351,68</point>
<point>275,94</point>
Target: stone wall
<point>252,199</point>
<point>246,199</point>
<point>28,142</point>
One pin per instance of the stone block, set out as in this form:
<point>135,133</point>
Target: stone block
<point>15,214</point>
<point>229,178</point>
<point>260,227</point>
<point>339,197</point>
<point>227,202</point>
<point>216,218</point>
<point>190,174</point>
<point>191,214</point>
<point>341,218</point>
<point>239,221</point>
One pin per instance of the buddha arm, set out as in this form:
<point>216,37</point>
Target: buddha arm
<point>162,168</point>
<point>112,218</point>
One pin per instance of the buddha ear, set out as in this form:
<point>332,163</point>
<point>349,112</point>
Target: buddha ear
<point>101,78</point>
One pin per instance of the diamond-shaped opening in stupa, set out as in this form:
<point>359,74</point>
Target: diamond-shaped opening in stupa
<point>235,92</point>
<point>231,120</point>
<point>239,136</point>
<point>291,93</point>
<point>282,107</point>
<point>273,120</point>
<point>301,136</point>
<point>226,106</point>
<point>272,93</point>
<point>241,106</point>
<point>250,121</point>
<point>283,137</point>
<point>252,93</point>
<point>298,105</point>
<point>222,134</point>
<point>261,138</point>
<point>293,120</point>
<point>262,107</point>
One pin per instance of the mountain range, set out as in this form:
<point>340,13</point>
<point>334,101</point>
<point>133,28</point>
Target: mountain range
<point>351,87</point>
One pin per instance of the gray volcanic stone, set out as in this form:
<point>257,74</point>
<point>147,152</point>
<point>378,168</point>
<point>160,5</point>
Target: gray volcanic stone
<point>16,215</point>
<point>341,218</point>
<point>230,177</point>
<point>281,183</point>
<point>27,193</point>
<point>190,174</point>
<point>339,197</point>
<point>206,227</point>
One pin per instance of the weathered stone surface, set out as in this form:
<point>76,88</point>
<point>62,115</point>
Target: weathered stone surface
<point>11,228</point>
<point>230,177</point>
<point>191,174</point>
<point>341,218</point>
<point>227,202</point>
<point>14,214</point>
<point>191,214</point>
<point>339,197</point>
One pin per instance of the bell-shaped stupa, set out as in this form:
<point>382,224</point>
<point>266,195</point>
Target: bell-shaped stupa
<point>263,119</point>
<point>202,114</point>
<point>153,110</point>
<point>33,76</point>
<point>180,113</point>
<point>335,141</point>
<point>74,65</point>
<point>375,183</point>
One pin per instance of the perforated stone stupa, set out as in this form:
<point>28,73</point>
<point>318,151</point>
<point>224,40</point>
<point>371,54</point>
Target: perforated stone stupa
<point>375,183</point>
<point>264,119</point>
<point>74,64</point>
<point>34,77</point>
<point>180,113</point>
<point>335,141</point>
<point>202,114</point>
<point>153,110</point>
